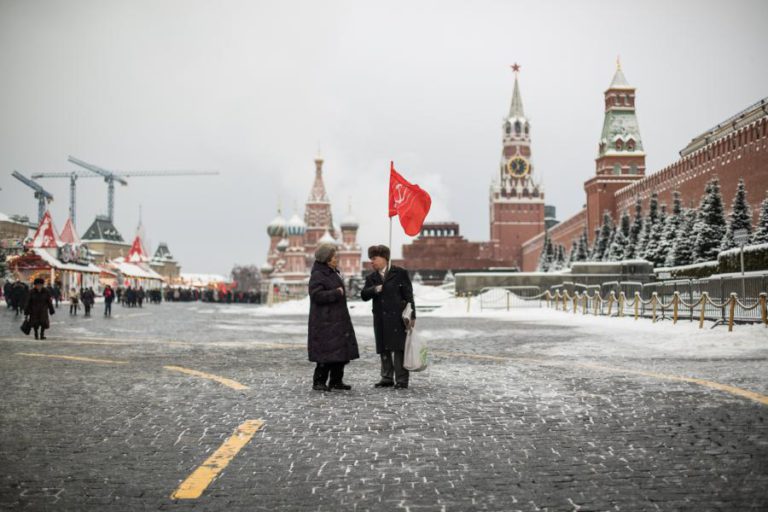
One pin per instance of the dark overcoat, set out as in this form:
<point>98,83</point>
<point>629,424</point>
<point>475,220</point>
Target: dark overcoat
<point>38,306</point>
<point>388,306</point>
<point>331,337</point>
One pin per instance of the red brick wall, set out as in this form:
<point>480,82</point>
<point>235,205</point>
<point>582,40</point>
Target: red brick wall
<point>511,225</point>
<point>449,252</point>
<point>742,154</point>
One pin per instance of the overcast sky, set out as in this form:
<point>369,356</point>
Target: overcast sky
<point>253,89</point>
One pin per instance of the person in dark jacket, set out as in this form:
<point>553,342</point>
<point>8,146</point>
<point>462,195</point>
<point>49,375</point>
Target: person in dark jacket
<point>109,296</point>
<point>19,296</point>
<point>39,305</point>
<point>331,340</point>
<point>390,289</point>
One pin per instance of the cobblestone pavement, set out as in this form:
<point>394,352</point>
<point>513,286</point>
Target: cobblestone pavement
<point>492,425</point>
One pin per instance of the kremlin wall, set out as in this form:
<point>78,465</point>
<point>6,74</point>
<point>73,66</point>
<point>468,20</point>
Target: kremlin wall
<point>735,148</point>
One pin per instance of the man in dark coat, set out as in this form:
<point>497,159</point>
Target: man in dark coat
<point>20,295</point>
<point>331,340</point>
<point>109,296</point>
<point>39,304</point>
<point>391,291</point>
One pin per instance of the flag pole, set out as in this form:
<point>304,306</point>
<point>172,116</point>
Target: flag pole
<point>389,263</point>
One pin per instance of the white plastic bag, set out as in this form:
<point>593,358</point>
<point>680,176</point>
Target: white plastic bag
<point>415,357</point>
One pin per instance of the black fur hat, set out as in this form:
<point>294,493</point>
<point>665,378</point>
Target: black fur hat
<point>39,280</point>
<point>378,250</point>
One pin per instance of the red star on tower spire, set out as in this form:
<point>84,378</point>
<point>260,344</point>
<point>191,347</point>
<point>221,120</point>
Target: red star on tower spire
<point>515,67</point>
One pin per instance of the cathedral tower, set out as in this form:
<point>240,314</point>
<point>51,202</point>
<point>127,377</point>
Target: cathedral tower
<point>516,200</point>
<point>317,213</point>
<point>620,157</point>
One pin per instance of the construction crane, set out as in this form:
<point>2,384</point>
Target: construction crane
<point>109,177</point>
<point>43,196</point>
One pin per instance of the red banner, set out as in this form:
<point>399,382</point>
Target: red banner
<point>407,201</point>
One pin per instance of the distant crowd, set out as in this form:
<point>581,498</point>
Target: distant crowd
<point>16,295</point>
<point>229,297</point>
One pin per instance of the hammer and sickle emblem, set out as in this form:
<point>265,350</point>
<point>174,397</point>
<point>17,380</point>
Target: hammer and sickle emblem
<point>401,193</point>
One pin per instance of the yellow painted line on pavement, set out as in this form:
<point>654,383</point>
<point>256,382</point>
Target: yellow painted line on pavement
<point>221,380</point>
<point>757,397</point>
<point>71,358</point>
<point>733,390</point>
<point>196,483</point>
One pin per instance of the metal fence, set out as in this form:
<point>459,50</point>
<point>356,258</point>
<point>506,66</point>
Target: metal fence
<point>739,299</point>
<point>510,297</point>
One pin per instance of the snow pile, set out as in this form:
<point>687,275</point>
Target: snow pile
<point>429,297</point>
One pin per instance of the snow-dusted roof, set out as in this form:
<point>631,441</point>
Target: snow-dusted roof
<point>60,265</point>
<point>135,270</point>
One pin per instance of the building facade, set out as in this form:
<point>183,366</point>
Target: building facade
<point>292,243</point>
<point>516,199</point>
<point>736,148</point>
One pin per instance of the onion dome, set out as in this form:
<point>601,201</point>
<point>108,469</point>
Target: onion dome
<point>282,245</point>
<point>267,268</point>
<point>277,226</point>
<point>296,226</point>
<point>349,222</point>
<point>327,238</point>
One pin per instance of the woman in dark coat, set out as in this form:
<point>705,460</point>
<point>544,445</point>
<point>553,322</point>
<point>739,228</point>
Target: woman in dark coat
<point>331,341</point>
<point>39,304</point>
<point>391,291</point>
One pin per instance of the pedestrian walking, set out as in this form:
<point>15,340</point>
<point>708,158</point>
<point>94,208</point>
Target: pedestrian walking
<point>390,289</point>
<point>109,296</point>
<point>140,295</point>
<point>89,299</point>
<point>74,301</point>
<point>38,306</point>
<point>19,295</point>
<point>7,291</point>
<point>331,340</point>
<point>56,293</point>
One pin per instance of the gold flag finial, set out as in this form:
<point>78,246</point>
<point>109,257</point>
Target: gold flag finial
<point>618,62</point>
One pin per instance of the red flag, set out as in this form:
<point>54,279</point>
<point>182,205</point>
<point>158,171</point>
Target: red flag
<point>407,201</point>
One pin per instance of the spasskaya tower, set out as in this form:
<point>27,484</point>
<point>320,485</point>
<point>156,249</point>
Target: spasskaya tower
<point>516,198</point>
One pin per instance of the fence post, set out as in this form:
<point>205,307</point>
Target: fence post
<point>508,300</point>
<point>565,301</point>
<point>703,301</point>
<point>621,304</point>
<point>722,297</point>
<point>586,303</point>
<point>610,303</point>
<point>575,302</point>
<point>675,298</point>
<point>597,299</point>
<point>653,306</point>
<point>732,309</point>
<point>469,300</point>
<point>764,308</point>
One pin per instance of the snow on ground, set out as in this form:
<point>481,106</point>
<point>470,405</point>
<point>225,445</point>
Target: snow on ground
<point>601,336</point>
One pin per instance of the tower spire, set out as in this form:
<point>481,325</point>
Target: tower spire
<point>516,107</point>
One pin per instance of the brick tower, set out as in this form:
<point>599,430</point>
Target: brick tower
<point>317,214</point>
<point>620,158</point>
<point>516,200</point>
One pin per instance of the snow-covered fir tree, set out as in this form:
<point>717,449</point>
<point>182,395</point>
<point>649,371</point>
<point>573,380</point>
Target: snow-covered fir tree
<point>650,220</point>
<point>710,225</point>
<point>603,237</point>
<point>618,246</point>
<point>740,218</point>
<point>559,259</point>
<point>669,235</point>
<point>572,254</point>
<point>760,236</point>
<point>653,249</point>
<point>635,231</point>
<point>582,248</point>
<point>547,254</point>
<point>682,251</point>
<point>593,249</point>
